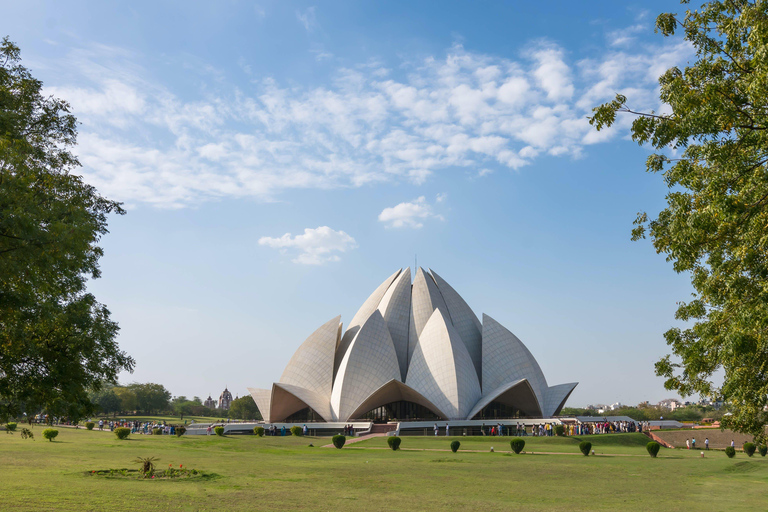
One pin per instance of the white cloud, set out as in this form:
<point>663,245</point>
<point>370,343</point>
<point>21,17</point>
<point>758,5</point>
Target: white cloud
<point>410,215</point>
<point>142,143</point>
<point>307,18</point>
<point>315,246</point>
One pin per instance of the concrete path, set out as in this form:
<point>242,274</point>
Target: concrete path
<point>357,439</point>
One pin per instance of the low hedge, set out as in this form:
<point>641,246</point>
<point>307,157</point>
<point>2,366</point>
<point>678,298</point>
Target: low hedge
<point>394,442</point>
<point>296,431</point>
<point>585,447</point>
<point>338,441</point>
<point>219,431</point>
<point>122,432</point>
<point>50,433</point>
<point>89,425</point>
<point>730,452</point>
<point>762,449</point>
<point>10,427</point>
<point>157,431</point>
<point>517,444</point>
<point>259,431</point>
<point>653,448</point>
<point>749,449</point>
<point>180,431</point>
<point>455,446</point>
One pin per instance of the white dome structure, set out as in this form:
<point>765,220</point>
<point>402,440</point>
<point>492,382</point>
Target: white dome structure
<point>417,351</point>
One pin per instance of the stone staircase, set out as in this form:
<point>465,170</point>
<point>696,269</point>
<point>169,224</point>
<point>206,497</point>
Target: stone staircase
<point>383,428</point>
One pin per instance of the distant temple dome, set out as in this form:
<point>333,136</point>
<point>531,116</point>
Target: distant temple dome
<point>210,402</point>
<point>225,399</point>
<point>412,351</point>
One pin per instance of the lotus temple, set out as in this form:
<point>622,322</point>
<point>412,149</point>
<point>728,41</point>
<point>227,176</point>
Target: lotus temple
<point>414,351</point>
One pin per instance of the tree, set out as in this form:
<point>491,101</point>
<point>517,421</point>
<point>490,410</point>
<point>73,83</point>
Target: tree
<point>244,409</point>
<point>108,402</point>
<point>151,397</point>
<point>56,342</point>
<point>128,402</point>
<point>715,225</point>
<point>181,406</point>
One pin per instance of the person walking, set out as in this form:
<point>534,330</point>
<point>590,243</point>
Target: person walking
<point>446,429</point>
<point>436,429</point>
<point>208,431</point>
<point>693,443</point>
<point>706,443</point>
<point>688,444</point>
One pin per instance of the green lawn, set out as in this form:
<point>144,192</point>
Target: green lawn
<point>283,473</point>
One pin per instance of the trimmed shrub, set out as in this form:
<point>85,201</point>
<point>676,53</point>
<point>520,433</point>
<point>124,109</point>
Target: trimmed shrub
<point>180,431</point>
<point>89,425</point>
<point>296,431</point>
<point>585,447</point>
<point>157,431</point>
<point>455,446</point>
<point>122,432</point>
<point>50,433</point>
<point>749,449</point>
<point>517,444</point>
<point>559,430</point>
<point>394,442</point>
<point>653,448</point>
<point>338,441</point>
<point>762,449</point>
<point>10,427</point>
<point>219,431</point>
<point>259,431</point>
<point>730,451</point>
<point>27,434</point>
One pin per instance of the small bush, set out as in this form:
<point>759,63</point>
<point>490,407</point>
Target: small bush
<point>219,431</point>
<point>10,427</point>
<point>517,444</point>
<point>50,433</point>
<point>89,425</point>
<point>455,446</point>
<point>749,449</point>
<point>122,432</point>
<point>394,442</point>
<point>559,430</point>
<point>653,448</point>
<point>585,447</point>
<point>180,431</point>
<point>157,431</point>
<point>296,431</point>
<point>730,451</point>
<point>27,434</point>
<point>338,441</point>
<point>762,449</point>
<point>259,431</point>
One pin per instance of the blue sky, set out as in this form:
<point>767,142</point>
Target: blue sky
<point>279,160</point>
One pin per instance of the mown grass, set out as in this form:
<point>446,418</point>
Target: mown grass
<point>283,473</point>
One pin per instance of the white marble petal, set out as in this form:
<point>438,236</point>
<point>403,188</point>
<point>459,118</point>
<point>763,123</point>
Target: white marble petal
<point>394,391</point>
<point>368,307</point>
<point>425,298</point>
<point>370,362</point>
<point>465,321</point>
<point>506,359</point>
<point>288,399</point>
<point>395,307</point>
<point>311,366</point>
<point>555,397</point>
<point>442,370</point>
<point>263,399</point>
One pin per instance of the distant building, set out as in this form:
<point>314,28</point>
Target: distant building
<point>670,403</point>
<point>210,402</point>
<point>225,400</point>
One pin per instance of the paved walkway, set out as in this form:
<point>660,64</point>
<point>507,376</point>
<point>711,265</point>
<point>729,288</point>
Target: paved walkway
<point>357,439</point>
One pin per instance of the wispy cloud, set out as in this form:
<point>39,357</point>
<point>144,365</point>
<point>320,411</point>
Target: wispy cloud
<point>315,246</point>
<point>410,214</point>
<point>142,143</point>
<point>307,18</point>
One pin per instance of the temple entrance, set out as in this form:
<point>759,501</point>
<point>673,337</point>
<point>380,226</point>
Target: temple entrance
<point>400,410</point>
<point>305,415</point>
<point>499,411</point>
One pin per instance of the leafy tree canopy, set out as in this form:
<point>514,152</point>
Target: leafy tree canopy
<point>56,341</point>
<point>712,151</point>
<point>244,408</point>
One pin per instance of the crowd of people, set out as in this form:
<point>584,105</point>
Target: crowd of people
<point>138,427</point>
<point>605,427</point>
